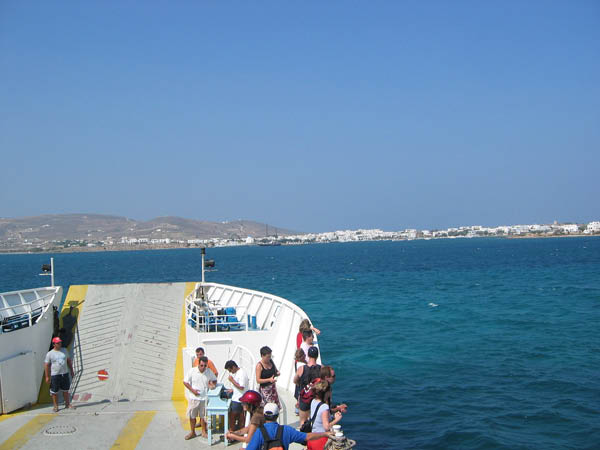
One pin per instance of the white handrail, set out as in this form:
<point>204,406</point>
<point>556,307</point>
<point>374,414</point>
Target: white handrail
<point>231,355</point>
<point>21,305</point>
<point>197,314</point>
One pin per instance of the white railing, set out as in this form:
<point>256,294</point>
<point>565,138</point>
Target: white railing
<point>77,358</point>
<point>30,312</point>
<point>269,313</point>
<point>204,319</point>
<point>266,307</point>
<point>244,359</point>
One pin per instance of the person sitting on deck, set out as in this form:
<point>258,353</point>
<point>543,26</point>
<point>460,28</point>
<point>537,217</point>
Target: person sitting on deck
<point>239,380</point>
<point>305,325</point>
<point>305,375</point>
<point>211,366</point>
<point>284,433</point>
<point>198,380</point>
<point>328,374</point>
<point>251,403</point>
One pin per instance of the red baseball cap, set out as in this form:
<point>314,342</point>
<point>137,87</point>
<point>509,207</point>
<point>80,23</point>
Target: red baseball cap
<point>56,340</point>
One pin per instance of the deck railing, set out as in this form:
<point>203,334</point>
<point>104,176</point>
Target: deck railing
<point>77,358</point>
<point>204,320</point>
<point>24,314</point>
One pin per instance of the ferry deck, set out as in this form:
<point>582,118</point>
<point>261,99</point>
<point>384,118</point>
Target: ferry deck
<point>131,346</point>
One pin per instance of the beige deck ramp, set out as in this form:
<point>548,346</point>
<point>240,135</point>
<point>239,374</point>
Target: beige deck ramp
<point>131,333</point>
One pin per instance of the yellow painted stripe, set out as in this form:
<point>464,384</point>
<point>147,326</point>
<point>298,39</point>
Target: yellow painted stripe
<point>4,417</point>
<point>27,409</point>
<point>134,429</point>
<point>178,393</point>
<point>20,437</point>
<point>76,298</point>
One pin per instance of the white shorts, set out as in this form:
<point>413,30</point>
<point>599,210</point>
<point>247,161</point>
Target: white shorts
<point>196,408</point>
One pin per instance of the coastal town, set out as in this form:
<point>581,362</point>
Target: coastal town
<point>117,243</point>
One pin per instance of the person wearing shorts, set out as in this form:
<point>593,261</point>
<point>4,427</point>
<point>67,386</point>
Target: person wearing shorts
<point>57,366</point>
<point>198,381</point>
<point>239,381</point>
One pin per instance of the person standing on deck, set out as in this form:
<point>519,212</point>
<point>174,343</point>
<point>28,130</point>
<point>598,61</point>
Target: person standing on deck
<point>305,375</point>
<point>200,354</point>
<point>307,341</point>
<point>198,380</point>
<point>328,374</point>
<point>266,373</point>
<point>299,361</point>
<point>320,411</point>
<point>57,366</point>
<point>305,325</point>
<point>239,380</point>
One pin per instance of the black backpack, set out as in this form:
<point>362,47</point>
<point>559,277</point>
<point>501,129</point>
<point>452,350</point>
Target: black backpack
<point>308,424</point>
<point>272,443</point>
<point>309,374</point>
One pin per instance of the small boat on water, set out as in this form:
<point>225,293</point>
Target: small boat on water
<point>131,346</point>
<point>269,241</point>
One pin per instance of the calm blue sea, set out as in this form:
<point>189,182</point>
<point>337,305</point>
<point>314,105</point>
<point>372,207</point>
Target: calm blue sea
<point>466,343</point>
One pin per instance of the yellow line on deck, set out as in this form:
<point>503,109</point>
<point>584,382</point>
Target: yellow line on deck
<point>134,429</point>
<point>178,393</point>
<point>20,437</point>
<point>4,417</point>
<point>76,298</point>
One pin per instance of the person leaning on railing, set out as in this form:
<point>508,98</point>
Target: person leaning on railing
<point>328,374</point>
<point>305,326</point>
<point>319,409</point>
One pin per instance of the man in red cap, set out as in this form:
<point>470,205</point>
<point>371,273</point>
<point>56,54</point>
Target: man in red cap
<point>57,366</point>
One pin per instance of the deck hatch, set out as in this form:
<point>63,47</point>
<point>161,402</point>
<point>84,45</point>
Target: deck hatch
<point>60,430</point>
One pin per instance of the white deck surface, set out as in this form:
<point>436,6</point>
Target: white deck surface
<point>98,426</point>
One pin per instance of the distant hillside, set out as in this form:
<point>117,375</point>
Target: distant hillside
<point>96,227</point>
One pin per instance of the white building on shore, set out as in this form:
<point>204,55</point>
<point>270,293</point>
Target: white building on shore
<point>592,227</point>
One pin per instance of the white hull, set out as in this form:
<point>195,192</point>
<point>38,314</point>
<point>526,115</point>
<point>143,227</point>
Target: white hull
<point>277,322</point>
<point>22,351</point>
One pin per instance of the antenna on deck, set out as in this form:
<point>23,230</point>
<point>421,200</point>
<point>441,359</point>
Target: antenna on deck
<point>48,269</point>
<point>203,253</point>
<point>209,263</point>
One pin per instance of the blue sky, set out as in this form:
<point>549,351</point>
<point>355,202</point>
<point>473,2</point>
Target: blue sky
<point>312,116</point>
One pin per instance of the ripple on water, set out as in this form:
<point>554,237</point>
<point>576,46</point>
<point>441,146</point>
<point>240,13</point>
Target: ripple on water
<point>509,359</point>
